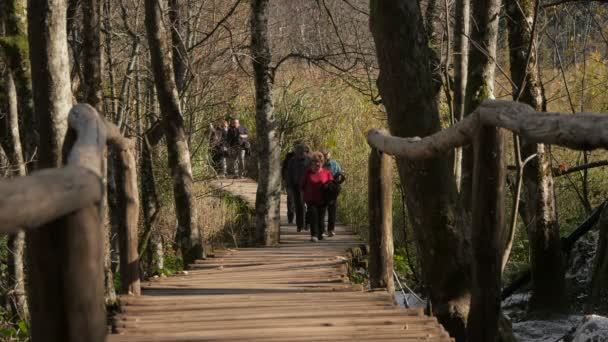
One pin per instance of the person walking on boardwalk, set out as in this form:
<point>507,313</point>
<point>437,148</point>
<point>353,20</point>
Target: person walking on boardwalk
<point>284,176</point>
<point>218,144</point>
<point>295,171</point>
<point>332,190</point>
<point>312,185</point>
<point>238,144</point>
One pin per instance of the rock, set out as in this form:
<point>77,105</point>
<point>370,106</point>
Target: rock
<point>593,328</point>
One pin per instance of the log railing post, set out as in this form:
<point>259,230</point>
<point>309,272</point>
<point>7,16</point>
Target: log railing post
<point>380,221</point>
<point>70,307</point>
<point>128,211</point>
<point>487,228</point>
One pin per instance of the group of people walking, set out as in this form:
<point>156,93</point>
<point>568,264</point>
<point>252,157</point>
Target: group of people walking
<point>229,145</point>
<point>313,184</point>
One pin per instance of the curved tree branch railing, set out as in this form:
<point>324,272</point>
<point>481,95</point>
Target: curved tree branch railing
<point>72,196</point>
<point>484,128</point>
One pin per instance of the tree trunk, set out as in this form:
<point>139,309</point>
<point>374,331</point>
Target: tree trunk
<point>179,46</point>
<point>93,94</point>
<point>11,143</point>
<point>547,264</point>
<point>380,221</point>
<point>269,175</point>
<point>406,86</point>
<point>599,283</point>
<point>189,234</point>
<point>480,82</point>
<point>461,59</point>
<point>16,50</point>
<point>91,46</point>
<point>487,228</point>
<point>60,248</point>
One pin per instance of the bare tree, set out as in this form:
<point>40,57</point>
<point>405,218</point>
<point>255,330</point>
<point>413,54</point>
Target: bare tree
<point>547,265</point>
<point>189,235</point>
<point>406,85</point>
<point>269,176</point>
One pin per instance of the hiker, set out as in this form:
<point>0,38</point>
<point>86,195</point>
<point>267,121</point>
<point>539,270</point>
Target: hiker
<point>219,149</point>
<point>284,177</point>
<point>332,190</point>
<point>238,145</point>
<point>311,186</point>
<point>295,171</point>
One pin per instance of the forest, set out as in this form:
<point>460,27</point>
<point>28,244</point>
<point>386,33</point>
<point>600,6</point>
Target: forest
<point>322,72</point>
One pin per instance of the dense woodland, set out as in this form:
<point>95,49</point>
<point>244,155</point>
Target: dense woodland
<point>323,72</point>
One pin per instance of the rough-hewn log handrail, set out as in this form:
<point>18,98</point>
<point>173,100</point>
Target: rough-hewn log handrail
<point>548,128</point>
<point>31,201</point>
<point>484,128</point>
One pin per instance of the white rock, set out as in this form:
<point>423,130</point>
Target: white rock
<point>594,328</point>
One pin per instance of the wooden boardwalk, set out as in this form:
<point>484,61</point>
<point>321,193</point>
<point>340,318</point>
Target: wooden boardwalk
<point>298,291</point>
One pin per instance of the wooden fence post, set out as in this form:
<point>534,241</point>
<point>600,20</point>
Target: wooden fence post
<point>487,228</point>
<point>380,221</point>
<point>126,183</point>
<point>71,307</point>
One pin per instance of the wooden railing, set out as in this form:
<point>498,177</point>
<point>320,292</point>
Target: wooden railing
<point>582,131</point>
<point>71,198</point>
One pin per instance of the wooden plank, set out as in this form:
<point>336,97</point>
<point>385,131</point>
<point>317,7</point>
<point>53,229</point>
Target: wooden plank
<point>298,291</point>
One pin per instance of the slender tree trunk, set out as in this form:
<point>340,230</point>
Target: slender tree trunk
<point>599,282</point>
<point>547,264</point>
<point>461,58</point>
<point>16,51</point>
<point>93,94</point>
<point>46,246</point>
<point>269,175</point>
<point>189,234</point>
<point>91,45</point>
<point>179,46</point>
<point>11,143</point>
<point>406,86</point>
<point>480,82</point>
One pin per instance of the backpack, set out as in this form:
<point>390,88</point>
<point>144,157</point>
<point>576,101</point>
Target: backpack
<point>331,190</point>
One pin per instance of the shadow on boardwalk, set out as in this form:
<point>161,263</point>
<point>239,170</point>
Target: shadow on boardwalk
<point>298,291</point>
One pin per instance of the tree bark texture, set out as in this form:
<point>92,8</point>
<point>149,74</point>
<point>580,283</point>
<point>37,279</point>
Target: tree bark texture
<point>480,82</point>
<point>179,45</point>
<point>91,46</point>
<point>15,47</point>
<point>47,248</point>
<point>65,282</point>
<point>380,221</point>
<point>462,11</point>
<point>189,234</point>
<point>406,85</point>
<point>546,259</point>
<point>487,228</point>
<point>267,201</point>
<point>11,143</point>
<point>599,282</point>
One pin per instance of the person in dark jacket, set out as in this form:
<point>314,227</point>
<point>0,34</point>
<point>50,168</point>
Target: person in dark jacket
<point>284,176</point>
<point>332,190</point>
<point>295,171</point>
<point>238,145</point>
<point>218,144</point>
<point>311,186</point>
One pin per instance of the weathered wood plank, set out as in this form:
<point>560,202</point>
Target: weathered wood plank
<point>298,291</point>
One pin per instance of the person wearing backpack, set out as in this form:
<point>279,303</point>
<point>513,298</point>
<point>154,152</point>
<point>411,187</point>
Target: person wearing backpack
<point>311,186</point>
<point>332,190</point>
<point>296,167</point>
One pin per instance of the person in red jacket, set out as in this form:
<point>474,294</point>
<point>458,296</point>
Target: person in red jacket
<point>311,186</point>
